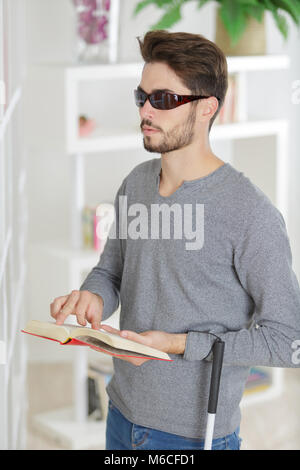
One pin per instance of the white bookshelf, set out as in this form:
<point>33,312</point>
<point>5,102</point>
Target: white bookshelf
<point>125,135</point>
<point>13,228</point>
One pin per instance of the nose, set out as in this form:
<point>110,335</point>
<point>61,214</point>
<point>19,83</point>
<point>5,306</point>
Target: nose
<point>147,110</point>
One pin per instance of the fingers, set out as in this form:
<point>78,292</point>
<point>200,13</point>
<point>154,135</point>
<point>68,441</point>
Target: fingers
<point>96,324</point>
<point>57,304</point>
<point>82,302</point>
<point>85,305</point>
<point>94,315</point>
<point>110,329</point>
<point>68,308</point>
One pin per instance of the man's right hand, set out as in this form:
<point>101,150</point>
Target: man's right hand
<point>85,305</point>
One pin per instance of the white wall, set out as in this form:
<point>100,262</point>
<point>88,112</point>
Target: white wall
<point>50,36</point>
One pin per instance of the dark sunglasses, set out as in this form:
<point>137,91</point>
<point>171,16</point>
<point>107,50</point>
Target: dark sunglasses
<point>163,99</point>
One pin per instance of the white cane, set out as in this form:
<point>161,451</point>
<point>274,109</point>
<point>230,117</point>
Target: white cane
<point>218,352</point>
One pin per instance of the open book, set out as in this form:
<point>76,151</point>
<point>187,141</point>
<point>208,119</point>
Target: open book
<point>100,340</point>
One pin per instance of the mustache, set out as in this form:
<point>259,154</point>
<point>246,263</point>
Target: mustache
<point>145,122</point>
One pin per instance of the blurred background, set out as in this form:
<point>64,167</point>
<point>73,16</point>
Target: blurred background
<point>69,134</point>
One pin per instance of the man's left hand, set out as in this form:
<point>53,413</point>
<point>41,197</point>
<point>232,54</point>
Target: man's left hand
<point>166,342</point>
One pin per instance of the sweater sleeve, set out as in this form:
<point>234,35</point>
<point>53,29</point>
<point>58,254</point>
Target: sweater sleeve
<point>105,278</point>
<point>263,264</point>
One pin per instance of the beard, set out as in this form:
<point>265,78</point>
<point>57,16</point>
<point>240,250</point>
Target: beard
<point>178,137</point>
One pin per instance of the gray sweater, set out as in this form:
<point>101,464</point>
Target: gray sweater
<point>233,279</point>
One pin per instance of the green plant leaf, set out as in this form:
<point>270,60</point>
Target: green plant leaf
<point>256,12</point>
<point>234,13</point>
<point>201,3</point>
<point>234,19</point>
<point>141,5</point>
<point>290,6</point>
<point>163,3</point>
<point>268,5</point>
<point>248,2</point>
<point>281,22</point>
<point>171,17</point>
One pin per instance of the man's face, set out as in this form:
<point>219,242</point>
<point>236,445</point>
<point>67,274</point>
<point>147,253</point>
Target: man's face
<point>175,127</point>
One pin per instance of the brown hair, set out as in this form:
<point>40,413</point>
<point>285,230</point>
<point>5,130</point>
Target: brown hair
<point>199,63</point>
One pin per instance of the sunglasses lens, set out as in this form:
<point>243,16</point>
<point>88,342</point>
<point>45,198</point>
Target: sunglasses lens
<point>140,98</point>
<point>159,100</point>
<point>162,100</point>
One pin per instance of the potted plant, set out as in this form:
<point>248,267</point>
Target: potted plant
<point>239,24</point>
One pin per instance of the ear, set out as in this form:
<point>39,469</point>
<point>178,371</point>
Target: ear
<point>209,107</point>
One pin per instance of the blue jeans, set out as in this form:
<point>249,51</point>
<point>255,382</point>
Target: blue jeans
<point>121,434</point>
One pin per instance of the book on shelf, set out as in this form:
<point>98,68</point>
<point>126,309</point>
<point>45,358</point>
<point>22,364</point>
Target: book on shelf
<point>258,380</point>
<point>93,397</point>
<point>98,340</point>
<point>97,381</point>
<point>228,112</point>
<point>96,223</point>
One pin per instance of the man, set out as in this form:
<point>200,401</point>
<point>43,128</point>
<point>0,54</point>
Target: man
<point>233,281</point>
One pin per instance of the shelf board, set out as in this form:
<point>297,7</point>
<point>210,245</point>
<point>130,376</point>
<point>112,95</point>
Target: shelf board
<point>115,140</point>
<point>62,250</point>
<point>60,426</point>
<point>239,130</point>
<point>80,72</point>
<point>134,69</point>
<point>103,143</point>
<point>104,71</point>
<point>258,62</point>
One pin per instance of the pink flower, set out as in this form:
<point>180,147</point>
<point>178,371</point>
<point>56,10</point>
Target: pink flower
<point>94,32</point>
<point>90,4</point>
<point>106,4</point>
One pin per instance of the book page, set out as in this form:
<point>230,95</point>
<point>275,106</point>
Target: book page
<point>94,342</point>
<point>116,341</point>
<point>48,330</point>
